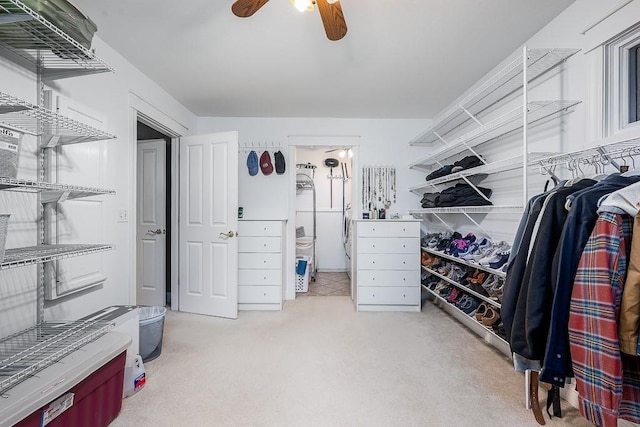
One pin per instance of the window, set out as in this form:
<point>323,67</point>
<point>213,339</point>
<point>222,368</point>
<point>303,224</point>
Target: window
<point>634,84</point>
<point>622,82</point>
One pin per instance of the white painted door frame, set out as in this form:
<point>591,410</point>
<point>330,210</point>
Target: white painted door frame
<point>294,141</point>
<point>140,110</point>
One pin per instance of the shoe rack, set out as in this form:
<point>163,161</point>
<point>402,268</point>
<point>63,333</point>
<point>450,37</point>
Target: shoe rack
<point>470,320</point>
<point>467,127</point>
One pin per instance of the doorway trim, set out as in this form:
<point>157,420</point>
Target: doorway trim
<point>294,141</point>
<point>141,110</point>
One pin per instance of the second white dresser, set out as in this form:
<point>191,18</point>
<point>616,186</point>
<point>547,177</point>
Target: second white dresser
<point>260,265</point>
<point>386,265</point>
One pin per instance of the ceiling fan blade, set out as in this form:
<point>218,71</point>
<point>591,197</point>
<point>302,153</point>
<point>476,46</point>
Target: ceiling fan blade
<point>332,150</point>
<point>332,19</point>
<point>246,8</point>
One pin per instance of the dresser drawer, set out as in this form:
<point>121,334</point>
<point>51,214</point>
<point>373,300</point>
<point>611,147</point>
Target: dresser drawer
<point>389,277</point>
<point>391,245</point>
<point>389,295</point>
<point>260,277</point>
<point>260,261</point>
<point>388,261</point>
<point>259,244</point>
<point>259,294</point>
<point>388,228</point>
<point>259,228</point>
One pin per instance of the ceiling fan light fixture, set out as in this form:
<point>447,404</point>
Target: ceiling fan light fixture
<point>303,5</point>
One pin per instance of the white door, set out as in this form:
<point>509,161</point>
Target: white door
<point>208,271</point>
<point>151,223</point>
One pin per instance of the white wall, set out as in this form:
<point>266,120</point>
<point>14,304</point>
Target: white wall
<point>107,95</point>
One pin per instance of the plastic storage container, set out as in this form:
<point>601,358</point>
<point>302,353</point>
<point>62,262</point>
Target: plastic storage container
<point>151,330</point>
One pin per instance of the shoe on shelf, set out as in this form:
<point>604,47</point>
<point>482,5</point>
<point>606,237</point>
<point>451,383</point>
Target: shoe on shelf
<point>482,309</point>
<point>499,260</point>
<point>471,306</point>
<point>491,316</point>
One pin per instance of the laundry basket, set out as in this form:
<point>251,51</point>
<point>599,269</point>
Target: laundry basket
<point>9,153</point>
<point>303,268</point>
<point>4,222</point>
<point>151,331</point>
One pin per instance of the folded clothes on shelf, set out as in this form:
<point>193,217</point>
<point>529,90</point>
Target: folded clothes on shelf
<point>458,195</point>
<point>466,163</point>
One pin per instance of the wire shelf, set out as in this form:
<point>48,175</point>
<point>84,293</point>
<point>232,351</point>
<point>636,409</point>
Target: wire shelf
<point>494,167</point>
<point>465,262</point>
<point>51,192</point>
<point>487,92</point>
<point>463,287</point>
<point>29,351</point>
<point>617,149</point>
<point>41,45</point>
<point>21,257</point>
<point>486,333</point>
<point>497,127</point>
<point>26,118</point>
<point>505,209</point>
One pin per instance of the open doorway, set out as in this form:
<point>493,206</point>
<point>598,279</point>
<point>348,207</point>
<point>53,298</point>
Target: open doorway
<point>153,217</point>
<point>323,212</point>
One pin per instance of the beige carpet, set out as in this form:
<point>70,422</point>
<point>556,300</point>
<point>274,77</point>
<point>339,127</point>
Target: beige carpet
<point>319,363</point>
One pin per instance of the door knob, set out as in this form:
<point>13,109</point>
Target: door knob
<point>158,231</point>
<point>228,234</point>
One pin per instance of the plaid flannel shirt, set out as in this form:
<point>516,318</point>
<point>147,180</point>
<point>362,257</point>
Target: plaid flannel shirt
<point>608,381</point>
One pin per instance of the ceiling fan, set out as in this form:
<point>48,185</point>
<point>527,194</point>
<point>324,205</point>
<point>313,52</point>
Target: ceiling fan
<point>330,12</point>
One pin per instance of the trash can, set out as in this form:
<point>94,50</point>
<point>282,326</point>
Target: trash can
<point>151,330</point>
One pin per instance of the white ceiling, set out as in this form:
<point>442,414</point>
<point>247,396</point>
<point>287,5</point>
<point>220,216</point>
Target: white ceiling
<point>399,59</point>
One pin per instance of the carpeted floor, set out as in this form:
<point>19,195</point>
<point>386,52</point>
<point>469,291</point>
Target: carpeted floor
<point>319,363</point>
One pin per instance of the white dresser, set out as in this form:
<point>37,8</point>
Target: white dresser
<point>386,265</point>
<point>260,265</point>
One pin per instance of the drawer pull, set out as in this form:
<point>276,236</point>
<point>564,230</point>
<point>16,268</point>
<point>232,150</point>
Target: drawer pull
<point>373,295</point>
<point>404,246</point>
<point>373,246</point>
<point>265,294</point>
<point>404,262</point>
<point>404,279</point>
<point>403,296</point>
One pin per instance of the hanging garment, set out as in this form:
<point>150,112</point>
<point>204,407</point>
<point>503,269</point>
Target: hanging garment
<point>629,326</point>
<point>528,311</point>
<point>608,381</point>
<point>526,217</point>
<point>575,234</point>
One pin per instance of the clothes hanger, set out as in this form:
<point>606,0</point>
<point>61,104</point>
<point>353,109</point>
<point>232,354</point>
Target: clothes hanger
<point>634,171</point>
<point>599,162</point>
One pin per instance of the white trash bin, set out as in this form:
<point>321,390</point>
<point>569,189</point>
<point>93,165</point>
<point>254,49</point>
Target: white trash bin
<point>151,331</point>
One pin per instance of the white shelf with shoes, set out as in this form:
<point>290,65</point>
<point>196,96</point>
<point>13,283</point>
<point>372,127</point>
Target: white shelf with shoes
<point>465,262</point>
<point>472,126</point>
<point>483,331</point>
<point>462,287</point>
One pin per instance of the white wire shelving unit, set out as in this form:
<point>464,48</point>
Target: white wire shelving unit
<point>504,80</point>
<point>21,257</point>
<point>51,192</point>
<point>462,128</point>
<point>30,41</point>
<point>25,117</point>
<point>33,42</point>
<point>25,353</point>
<point>464,262</point>
<point>500,126</point>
